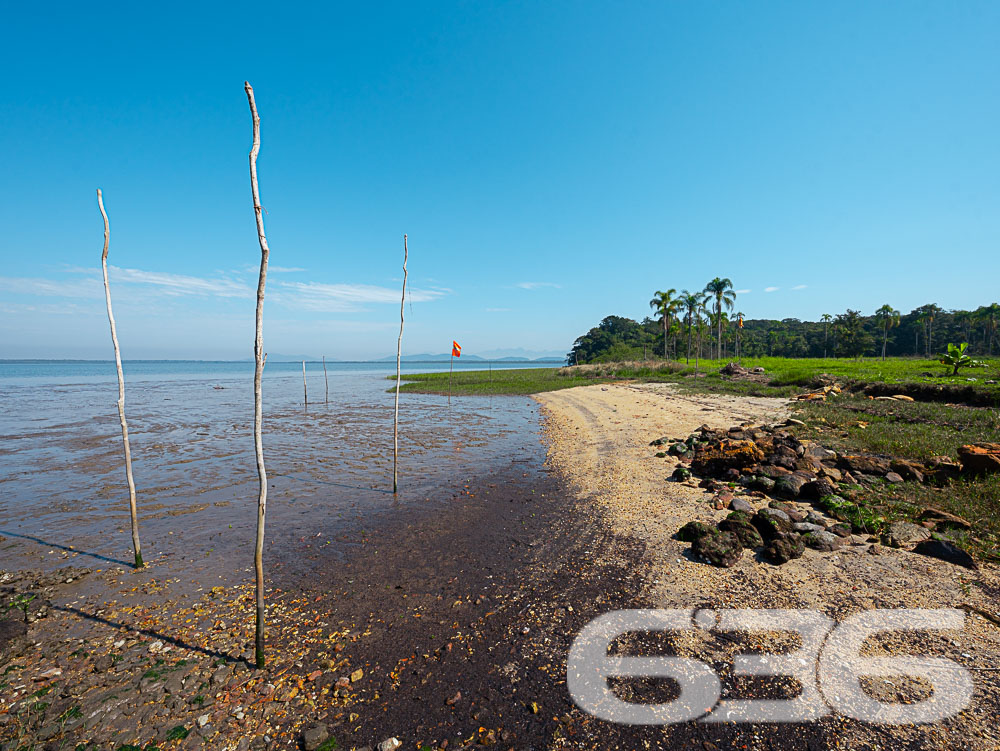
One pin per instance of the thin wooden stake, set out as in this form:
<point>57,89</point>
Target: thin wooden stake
<point>258,400</point>
<point>451,370</point>
<point>326,380</point>
<point>399,350</point>
<point>305,393</point>
<point>121,388</point>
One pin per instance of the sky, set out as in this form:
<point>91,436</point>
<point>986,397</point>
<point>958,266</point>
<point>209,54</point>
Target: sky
<point>551,163</point>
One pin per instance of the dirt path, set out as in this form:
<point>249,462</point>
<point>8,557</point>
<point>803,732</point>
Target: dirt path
<point>599,442</point>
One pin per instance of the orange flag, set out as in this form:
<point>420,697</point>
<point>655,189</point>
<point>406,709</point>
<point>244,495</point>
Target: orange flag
<point>456,349</point>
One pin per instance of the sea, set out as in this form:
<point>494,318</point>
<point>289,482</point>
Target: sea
<point>63,494</point>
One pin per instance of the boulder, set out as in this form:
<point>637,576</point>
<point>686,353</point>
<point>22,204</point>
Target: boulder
<point>741,504</point>
<point>692,531</point>
<point>945,551</point>
<point>727,454</point>
<point>979,458</point>
<point>771,523</point>
<point>865,464</point>
<point>822,540</point>
<point>818,488</point>
<point>841,529</point>
<point>790,486</point>
<point>681,474</point>
<point>944,520</point>
<point>893,477</point>
<point>908,470</point>
<point>783,548</point>
<point>718,548</point>
<point>748,535</point>
<point>803,527</point>
<point>904,534</point>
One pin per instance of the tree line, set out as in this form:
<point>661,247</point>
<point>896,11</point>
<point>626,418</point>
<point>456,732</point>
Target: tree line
<point>689,325</point>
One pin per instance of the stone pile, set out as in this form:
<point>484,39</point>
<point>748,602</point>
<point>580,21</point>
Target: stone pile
<point>786,494</point>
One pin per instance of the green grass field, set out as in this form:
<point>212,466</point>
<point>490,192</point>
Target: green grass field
<point>501,382</point>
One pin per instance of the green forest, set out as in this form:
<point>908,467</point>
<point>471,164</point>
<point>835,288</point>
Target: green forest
<point>689,325</point>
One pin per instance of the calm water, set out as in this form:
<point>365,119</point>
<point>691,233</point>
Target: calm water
<point>62,480</point>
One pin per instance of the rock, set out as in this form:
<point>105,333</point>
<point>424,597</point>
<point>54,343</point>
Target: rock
<point>763,483</point>
<point>902,534</point>
<point>771,523</point>
<point>944,520</point>
<point>357,675</point>
<point>692,531</point>
<point>315,736</point>
<point>864,464</point>
<point>741,504</point>
<point>718,548</point>
<point>893,477</point>
<point>793,421</point>
<point>776,513</point>
<point>979,458</point>
<point>390,744</point>
<point>783,548</point>
<point>11,631</point>
<point>818,488</point>
<point>681,474</point>
<point>815,517</point>
<point>727,454</point>
<point>822,540</point>
<point>790,486</point>
<point>739,524</point>
<point>908,470</point>
<point>945,551</point>
<point>803,527</point>
<point>831,473</point>
<point>679,449</point>
<point>841,529</point>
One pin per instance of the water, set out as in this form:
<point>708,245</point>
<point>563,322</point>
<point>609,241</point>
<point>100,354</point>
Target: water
<point>62,480</point>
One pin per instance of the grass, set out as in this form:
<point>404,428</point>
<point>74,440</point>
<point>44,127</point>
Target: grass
<point>502,382</point>
<point>915,431</point>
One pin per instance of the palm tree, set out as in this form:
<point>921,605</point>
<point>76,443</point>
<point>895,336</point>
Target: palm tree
<point>700,323</point>
<point>932,310</point>
<point>722,291</point>
<point>825,318</point>
<point>990,317</point>
<point>739,327</point>
<point>887,317</point>
<point>666,305</point>
<point>691,301</point>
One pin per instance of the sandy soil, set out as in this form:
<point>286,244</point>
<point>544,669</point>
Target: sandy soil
<point>599,442</point>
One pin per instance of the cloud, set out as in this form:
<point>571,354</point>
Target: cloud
<point>346,298</point>
<point>742,291</point>
<point>83,288</point>
<point>284,269</point>
<point>181,284</point>
<point>537,285</point>
<point>800,286</point>
<point>771,289</point>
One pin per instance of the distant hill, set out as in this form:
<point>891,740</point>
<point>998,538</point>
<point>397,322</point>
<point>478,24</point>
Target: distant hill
<point>467,358</point>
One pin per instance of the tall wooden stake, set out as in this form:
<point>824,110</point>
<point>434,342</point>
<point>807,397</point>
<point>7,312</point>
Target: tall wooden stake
<point>121,388</point>
<point>326,380</point>
<point>258,400</point>
<point>399,350</point>
<point>305,393</point>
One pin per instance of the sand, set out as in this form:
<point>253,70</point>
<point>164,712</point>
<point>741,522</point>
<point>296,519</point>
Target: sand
<point>598,441</point>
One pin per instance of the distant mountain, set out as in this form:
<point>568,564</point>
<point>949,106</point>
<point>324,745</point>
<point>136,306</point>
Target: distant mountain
<point>428,358</point>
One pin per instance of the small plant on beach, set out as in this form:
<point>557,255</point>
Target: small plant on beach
<point>956,358</point>
<point>21,602</point>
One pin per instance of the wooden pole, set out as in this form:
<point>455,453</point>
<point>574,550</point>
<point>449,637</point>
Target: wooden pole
<point>121,388</point>
<point>305,393</point>
<point>451,371</point>
<point>399,351</point>
<point>258,400</point>
<point>326,380</point>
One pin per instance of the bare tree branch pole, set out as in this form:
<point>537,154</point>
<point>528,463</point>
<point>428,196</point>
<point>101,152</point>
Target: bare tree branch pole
<point>258,400</point>
<point>326,380</point>
<point>121,388</point>
<point>399,350</point>
<point>305,393</point>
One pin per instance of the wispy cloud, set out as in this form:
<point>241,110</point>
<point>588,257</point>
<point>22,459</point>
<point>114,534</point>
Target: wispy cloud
<point>52,287</point>
<point>771,289</point>
<point>742,291</point>
<point>537,285</point>
<point>284,269</point>
<point>346,298</point>
<point>800,286</point>
<point>181,284</point>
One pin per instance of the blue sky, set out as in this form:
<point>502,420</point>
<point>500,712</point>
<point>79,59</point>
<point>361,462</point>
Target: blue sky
<point>552,163</point>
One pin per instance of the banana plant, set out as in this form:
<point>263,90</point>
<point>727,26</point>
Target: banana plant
<point>956,358</point>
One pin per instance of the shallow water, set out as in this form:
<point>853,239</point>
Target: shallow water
<point>62,479</point>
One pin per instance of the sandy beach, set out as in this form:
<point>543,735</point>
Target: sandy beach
<point>599,442</point>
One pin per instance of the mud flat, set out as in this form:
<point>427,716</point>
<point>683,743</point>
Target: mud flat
<point>599,443</point>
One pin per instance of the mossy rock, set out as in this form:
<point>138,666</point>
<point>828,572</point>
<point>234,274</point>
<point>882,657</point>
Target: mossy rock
<point>718,548</point>
<point>693,531</point>
<point>748,535</point>
<point>784,548</point>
